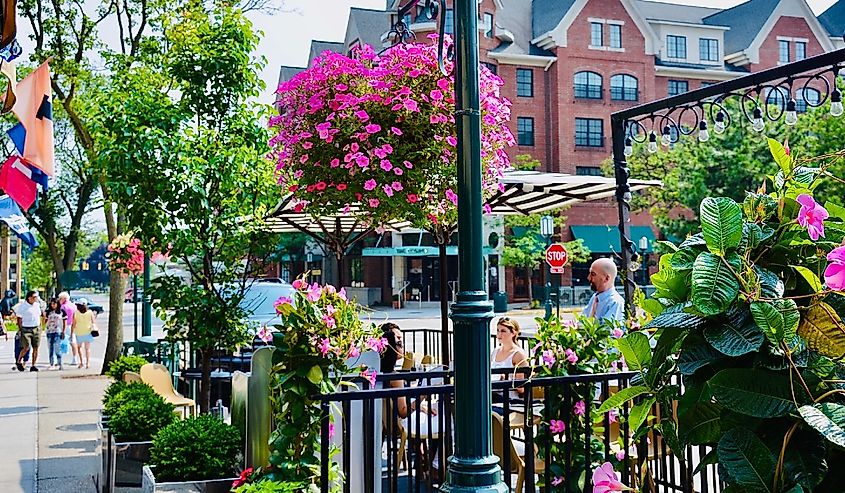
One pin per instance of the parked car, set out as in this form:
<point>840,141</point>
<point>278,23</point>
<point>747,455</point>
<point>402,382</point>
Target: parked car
<point>259,299</point>
<point>94,307</point>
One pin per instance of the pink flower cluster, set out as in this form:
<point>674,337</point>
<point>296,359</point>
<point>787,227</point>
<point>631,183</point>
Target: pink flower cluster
<point>834,274</point>
<point>811,216</point>
<point>126,256</point>
<point>379,131</point>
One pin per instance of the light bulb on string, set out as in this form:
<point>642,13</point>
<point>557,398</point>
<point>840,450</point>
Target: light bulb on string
<point>757,123</point>
<point>652,142</point>
<point>719,125</point>
<point>629,147</point>
<point>703,134</point>
<point>666,138</point>
<point>791,117</point>
<point>836,108</point>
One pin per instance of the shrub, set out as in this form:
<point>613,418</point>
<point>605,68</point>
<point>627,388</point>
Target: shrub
<point>271,487</point>
<point>125,363</point>
<point>139,415</point>
<point>111,393</point>
<point>196,449</point>
<point>119,393</point>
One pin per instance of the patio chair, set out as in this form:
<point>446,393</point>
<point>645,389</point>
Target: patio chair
<point>131,376</point>
<point>157,377</point>
<point>387,416</point>
<point>517,453</point>
<point>408,361</point>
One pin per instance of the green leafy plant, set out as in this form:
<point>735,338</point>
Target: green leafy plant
<point>267,486</point>
<point>119,393</point>
<point>125,363</point>
<point>320,331</point>
<point>748,316</point>
<point>195,449</point>
<point>139,416</point>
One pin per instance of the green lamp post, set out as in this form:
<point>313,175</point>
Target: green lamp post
<point>473,467</point>
<point>147,309</point>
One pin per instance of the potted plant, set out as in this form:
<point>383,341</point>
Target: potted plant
<point>135,416</point>
<point>199,454</point>
<point>129,362</point>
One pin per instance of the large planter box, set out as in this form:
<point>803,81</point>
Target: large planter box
<point>102,482</point>
<point>150,485</point>
<point>127,463</point>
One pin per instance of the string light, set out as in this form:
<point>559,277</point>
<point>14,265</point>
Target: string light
<point>719,126</point>
<point>791,117</point>
<point>652,142</point>
<point>629,147</point>
<point>703,134</point>
<point>666,139</point>
<point>836,102</point>
<point>757,123</point>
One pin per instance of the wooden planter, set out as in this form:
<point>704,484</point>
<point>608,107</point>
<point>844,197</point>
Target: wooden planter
<point>127,463</point>
<point>150,485</point>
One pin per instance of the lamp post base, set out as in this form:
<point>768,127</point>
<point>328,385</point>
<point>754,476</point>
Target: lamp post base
<point>481,475</point>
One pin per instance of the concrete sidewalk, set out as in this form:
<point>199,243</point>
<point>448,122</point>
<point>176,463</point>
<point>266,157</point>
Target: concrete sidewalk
<point>48,420</point>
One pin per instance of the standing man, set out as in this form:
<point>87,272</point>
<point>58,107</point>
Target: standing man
<point>70,310</point>
<point>606,303</point>
<point>30,315</point>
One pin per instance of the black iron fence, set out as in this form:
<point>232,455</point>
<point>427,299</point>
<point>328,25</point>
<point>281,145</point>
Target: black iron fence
<point>397,436</point>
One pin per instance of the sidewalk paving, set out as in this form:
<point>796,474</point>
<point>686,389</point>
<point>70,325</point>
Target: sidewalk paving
<point>49,424</point>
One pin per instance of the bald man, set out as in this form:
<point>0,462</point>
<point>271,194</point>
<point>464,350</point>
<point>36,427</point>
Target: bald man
<point>605,303</point>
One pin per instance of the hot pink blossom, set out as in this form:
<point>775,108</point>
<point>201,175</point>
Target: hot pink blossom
<point>612,416</point>
<point>370,375</point>
<point>396,186</point>
<point>331,430</point>
<point>617,333</point>
<point>265,334</point>
<point>329,321</point>
<point>354,352</point>
<point>620,455</point>
<point>395,131</point>
<point>571,356</point>
<point>557,481</point>
<point>834,274</point>
<point>298,284</point>
<point>342,294</point>
<point>373,203</point>
<point>314,292</point>
<point>580,408</point>
<point>330,289</point>
<point>362,115</point>
<point>811,216</point>
<point>283,300</point>
<point>386,165</point>
<point>377,344</point>
<point>372,128</point>
<point>557,426</point>
<point>370,185</point>
<point>452,196</point>
<point>412,198</point>
<point>325,346</point>
<point>606,480</point>
<point>548,357</point>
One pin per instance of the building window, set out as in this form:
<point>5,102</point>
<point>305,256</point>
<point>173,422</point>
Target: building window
<point>588,85</point>
<point>588,171</point>
<point>708,49</point>
<point>678,87</point>
<point>525,82</point>
<point>615,35</point>
<point>623,87</point>
<point>778,96</point>
<point>800,50</point>
<point>450,21</point>
<point>676,46</point>
<point>491,67</point>
<point>596,38</point>
<point>524,131</point>
<point>488,25</point>
<point>589,132</point>
<point>783,51</point>
<point>806,97</point>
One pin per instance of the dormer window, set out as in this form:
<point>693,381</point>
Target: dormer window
<point>708,50</point>
<point>676,46</point>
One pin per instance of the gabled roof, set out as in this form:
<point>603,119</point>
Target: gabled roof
<point>547,14</point>
<point>517,19</point>
<point>369,24</point>
<point>286,72</point>
<point>833,19</point>
<point>318,47</point>
<point>661,11</point>
<point>745,22</point>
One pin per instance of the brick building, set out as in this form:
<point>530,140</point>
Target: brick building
<point>569,64</point>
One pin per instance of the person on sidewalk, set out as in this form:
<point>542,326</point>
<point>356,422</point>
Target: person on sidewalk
<point>83,324</point>
<point>30,317</point>
<point>606,303</point>
<point>70,310</point>
<point>55,332</point>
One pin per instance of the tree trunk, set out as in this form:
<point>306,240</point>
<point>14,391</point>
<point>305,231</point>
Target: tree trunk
<point>530,290</point>
<point>342,278</point>
<point>204,397</point>
<point>117,285</point>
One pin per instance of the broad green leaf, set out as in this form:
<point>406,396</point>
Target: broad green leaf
<point>700,425</point>
<point>675,318</point>
<point>747,459</point>
<point>714,286</point>
<point>721,224</point>
<point>835,210</point>
<point>823,330</point>
<point>315,375</point>
<point>783,160</point>
<point>670,283</point>
<point>828,419</point>
<point>622,397</point>
<point>639,413</point>
<point>770,284</point>
<point>735,334</point>
<point>670,433</point>
<point>636,350</point>
<point>668,342</point>
<point>791,317</point>
<point>684,259</point>
<point>709,459</point>
<point>769,319</point>
<point>758,393</point>
<point>696,357</point>
<point>696,240</point>
<point>809,276</point>
<point>652,306</point>
<point>805,461</point>
<point>752,235</point>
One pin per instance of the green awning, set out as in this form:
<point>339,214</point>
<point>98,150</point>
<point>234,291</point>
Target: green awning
<point>605,239</point>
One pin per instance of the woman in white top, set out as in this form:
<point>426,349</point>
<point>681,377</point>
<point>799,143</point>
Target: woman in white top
<point>507,354</point>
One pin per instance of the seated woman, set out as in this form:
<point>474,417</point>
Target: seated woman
<point>507,354</point>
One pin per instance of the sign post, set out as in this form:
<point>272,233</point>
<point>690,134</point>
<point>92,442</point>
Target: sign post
<point>556,257</point>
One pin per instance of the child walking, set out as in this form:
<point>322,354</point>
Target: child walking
<point>55,332</point>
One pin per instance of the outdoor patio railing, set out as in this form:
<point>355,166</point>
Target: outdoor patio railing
<point>377,451</point>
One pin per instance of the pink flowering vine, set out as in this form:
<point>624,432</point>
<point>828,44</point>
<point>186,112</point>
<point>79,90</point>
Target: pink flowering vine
<point>606,480</point>
<point>265,334</point>
<point>557,426</point>
<point>370,375</point>
<point>548,357</point>
<point>571,357</point>
<point>834,274</point>
<point>580,408</point>
<point>811,216</point>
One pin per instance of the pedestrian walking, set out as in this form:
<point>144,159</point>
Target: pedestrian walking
<point>83,324</point>
<point>70,310</point>
<point>30,317</point>
<point>55,333</point>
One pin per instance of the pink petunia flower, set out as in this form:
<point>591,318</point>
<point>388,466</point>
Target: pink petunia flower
<point>834,274</point>
<point>811,216</point>
<point>314,292</point>
<point>620,455</point>
<point>557,426</point>
<point>395,131</point>
<point>372,128</point>
<point>373,203</point>
<point>376,344</point>
<point>580,408</point>
<point>412,198</point>
<point>452,196</point>
<point>606,480</point>
<point>362,115</point>
<point>370,185</point>
<point>329,321</point>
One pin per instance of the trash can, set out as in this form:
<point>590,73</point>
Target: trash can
<point>500,302</point>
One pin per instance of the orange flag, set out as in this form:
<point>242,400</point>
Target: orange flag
<point>35,111</point>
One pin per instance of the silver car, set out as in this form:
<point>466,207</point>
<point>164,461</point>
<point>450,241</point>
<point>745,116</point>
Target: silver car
<point>259,300</point>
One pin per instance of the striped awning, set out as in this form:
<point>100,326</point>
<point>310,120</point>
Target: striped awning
<point>285,220</point>
<point>531,192</point>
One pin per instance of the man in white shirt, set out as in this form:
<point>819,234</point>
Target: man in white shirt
<point>29,315</point>
<point>605,303</point>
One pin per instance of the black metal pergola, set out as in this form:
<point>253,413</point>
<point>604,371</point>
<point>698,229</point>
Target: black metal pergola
<point>695,112</point>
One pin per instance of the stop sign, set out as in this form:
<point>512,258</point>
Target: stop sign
<point>556,257</point>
